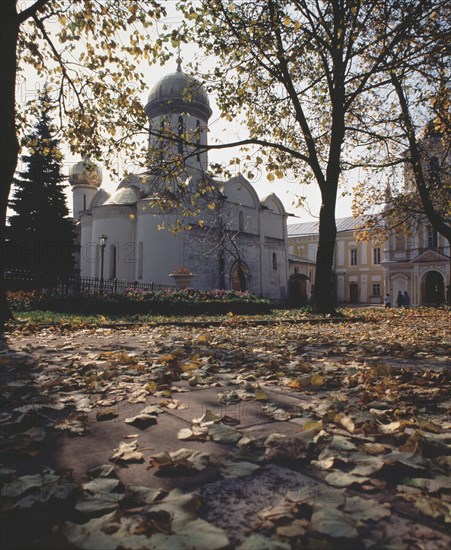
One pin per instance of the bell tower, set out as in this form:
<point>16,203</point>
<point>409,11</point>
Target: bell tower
<point>178,108</point>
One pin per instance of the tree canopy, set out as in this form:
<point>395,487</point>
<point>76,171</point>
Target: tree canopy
<point>302,73</point>
<point>88,51</point>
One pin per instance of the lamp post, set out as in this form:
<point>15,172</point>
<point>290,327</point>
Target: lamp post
<point>102,243</point>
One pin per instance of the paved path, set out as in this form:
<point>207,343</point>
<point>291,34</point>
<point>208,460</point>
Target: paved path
<point>35,375</point>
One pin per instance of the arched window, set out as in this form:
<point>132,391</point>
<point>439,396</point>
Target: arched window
<point>113,261</point>
<point>241,221</point>
<point>181,131</point>
<point>160,145</point>
<point>432,238</point>
<point>434,171</point>
<point>140,260</point>
<point>198,131</point>
<point>274,261</point>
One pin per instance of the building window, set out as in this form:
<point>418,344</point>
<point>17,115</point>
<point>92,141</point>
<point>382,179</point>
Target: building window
<point>241,221</point>
<point>434,171</point>
<point>353,256</point>
<point>140,260</point>
<point>432,238</point>
<point>158,151</point>
<point>84,202</point>
<point>113,261</point>
<point>274,261</point>
<point>180,144</point>
<point>376,289</point>
<point>376,255</point>
<point>198,130</point>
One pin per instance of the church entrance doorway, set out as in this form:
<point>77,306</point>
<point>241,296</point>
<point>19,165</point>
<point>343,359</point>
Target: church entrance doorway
<point>239,276</point>
<point>434,288</point>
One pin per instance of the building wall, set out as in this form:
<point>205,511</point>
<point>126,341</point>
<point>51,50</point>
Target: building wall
<point>142,245</point>
<point>365,271</point>
<point>359,278</point>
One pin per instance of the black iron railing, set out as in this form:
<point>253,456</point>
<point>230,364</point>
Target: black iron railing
<point>28,280</point>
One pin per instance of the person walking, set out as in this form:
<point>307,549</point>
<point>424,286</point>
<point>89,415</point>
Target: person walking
<point>399,299</point>
<point>406,299</point>
<point>387,301</point>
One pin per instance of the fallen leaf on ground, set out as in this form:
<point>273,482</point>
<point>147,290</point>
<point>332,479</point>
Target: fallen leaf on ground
<point>127,452</point>
<point>183,460</point>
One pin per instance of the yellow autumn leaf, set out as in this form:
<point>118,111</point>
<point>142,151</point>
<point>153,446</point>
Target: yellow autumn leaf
<point>261,395</point>
<point>188,366</point>
<point>313,425</point>
<point>317,380</point>
<point>150,386</point>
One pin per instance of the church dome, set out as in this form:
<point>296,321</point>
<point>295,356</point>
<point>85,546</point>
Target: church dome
<point>178,92</point>
<point>85,172</point>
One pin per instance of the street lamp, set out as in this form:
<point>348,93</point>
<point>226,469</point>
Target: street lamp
<point>102,243</point>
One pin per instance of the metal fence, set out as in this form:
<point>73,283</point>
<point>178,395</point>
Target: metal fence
<point>27,280</point>
<point>93,285</point>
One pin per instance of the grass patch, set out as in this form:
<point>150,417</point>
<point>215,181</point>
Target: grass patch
<point>57,318</point>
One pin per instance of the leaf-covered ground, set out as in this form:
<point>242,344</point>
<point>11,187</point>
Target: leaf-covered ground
<point>243,435</point>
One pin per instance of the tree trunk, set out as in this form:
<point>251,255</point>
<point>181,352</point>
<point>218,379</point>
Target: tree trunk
<point>324,295</point>
<point>9,147</point>
<point>324,301</point>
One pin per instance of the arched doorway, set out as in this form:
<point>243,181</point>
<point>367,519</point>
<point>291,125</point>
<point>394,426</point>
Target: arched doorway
<point>239,276</point>
<point>433,288</point>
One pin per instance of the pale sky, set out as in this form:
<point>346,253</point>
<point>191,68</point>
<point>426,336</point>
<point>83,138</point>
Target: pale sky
<point>221,130</point>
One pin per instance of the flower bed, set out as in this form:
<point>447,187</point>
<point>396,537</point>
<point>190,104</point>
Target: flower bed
<point>168,301</point>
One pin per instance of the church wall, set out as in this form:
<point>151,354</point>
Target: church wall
<point>238,193</point>
<point>117,223</point>
<point>161,249</point>
<point>88,248</point>
<point>249,218</point>
<point>273,225</point>
<point>274,269</point>
<point>201,255</point>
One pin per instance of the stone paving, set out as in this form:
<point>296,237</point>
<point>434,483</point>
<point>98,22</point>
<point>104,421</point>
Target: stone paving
<point>232,504</point>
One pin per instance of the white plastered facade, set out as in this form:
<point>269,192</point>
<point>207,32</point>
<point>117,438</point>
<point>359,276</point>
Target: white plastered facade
<point>140,242</point>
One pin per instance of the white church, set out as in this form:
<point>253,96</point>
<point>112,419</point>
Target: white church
<point>154,224</point>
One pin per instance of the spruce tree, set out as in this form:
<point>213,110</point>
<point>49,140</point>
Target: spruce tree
<point>41,236</point>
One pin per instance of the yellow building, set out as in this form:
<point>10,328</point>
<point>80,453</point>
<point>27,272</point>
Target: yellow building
<point>365,271</point>
<point>358,269</point>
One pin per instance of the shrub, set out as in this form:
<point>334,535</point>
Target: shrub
<point>168,301</point>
